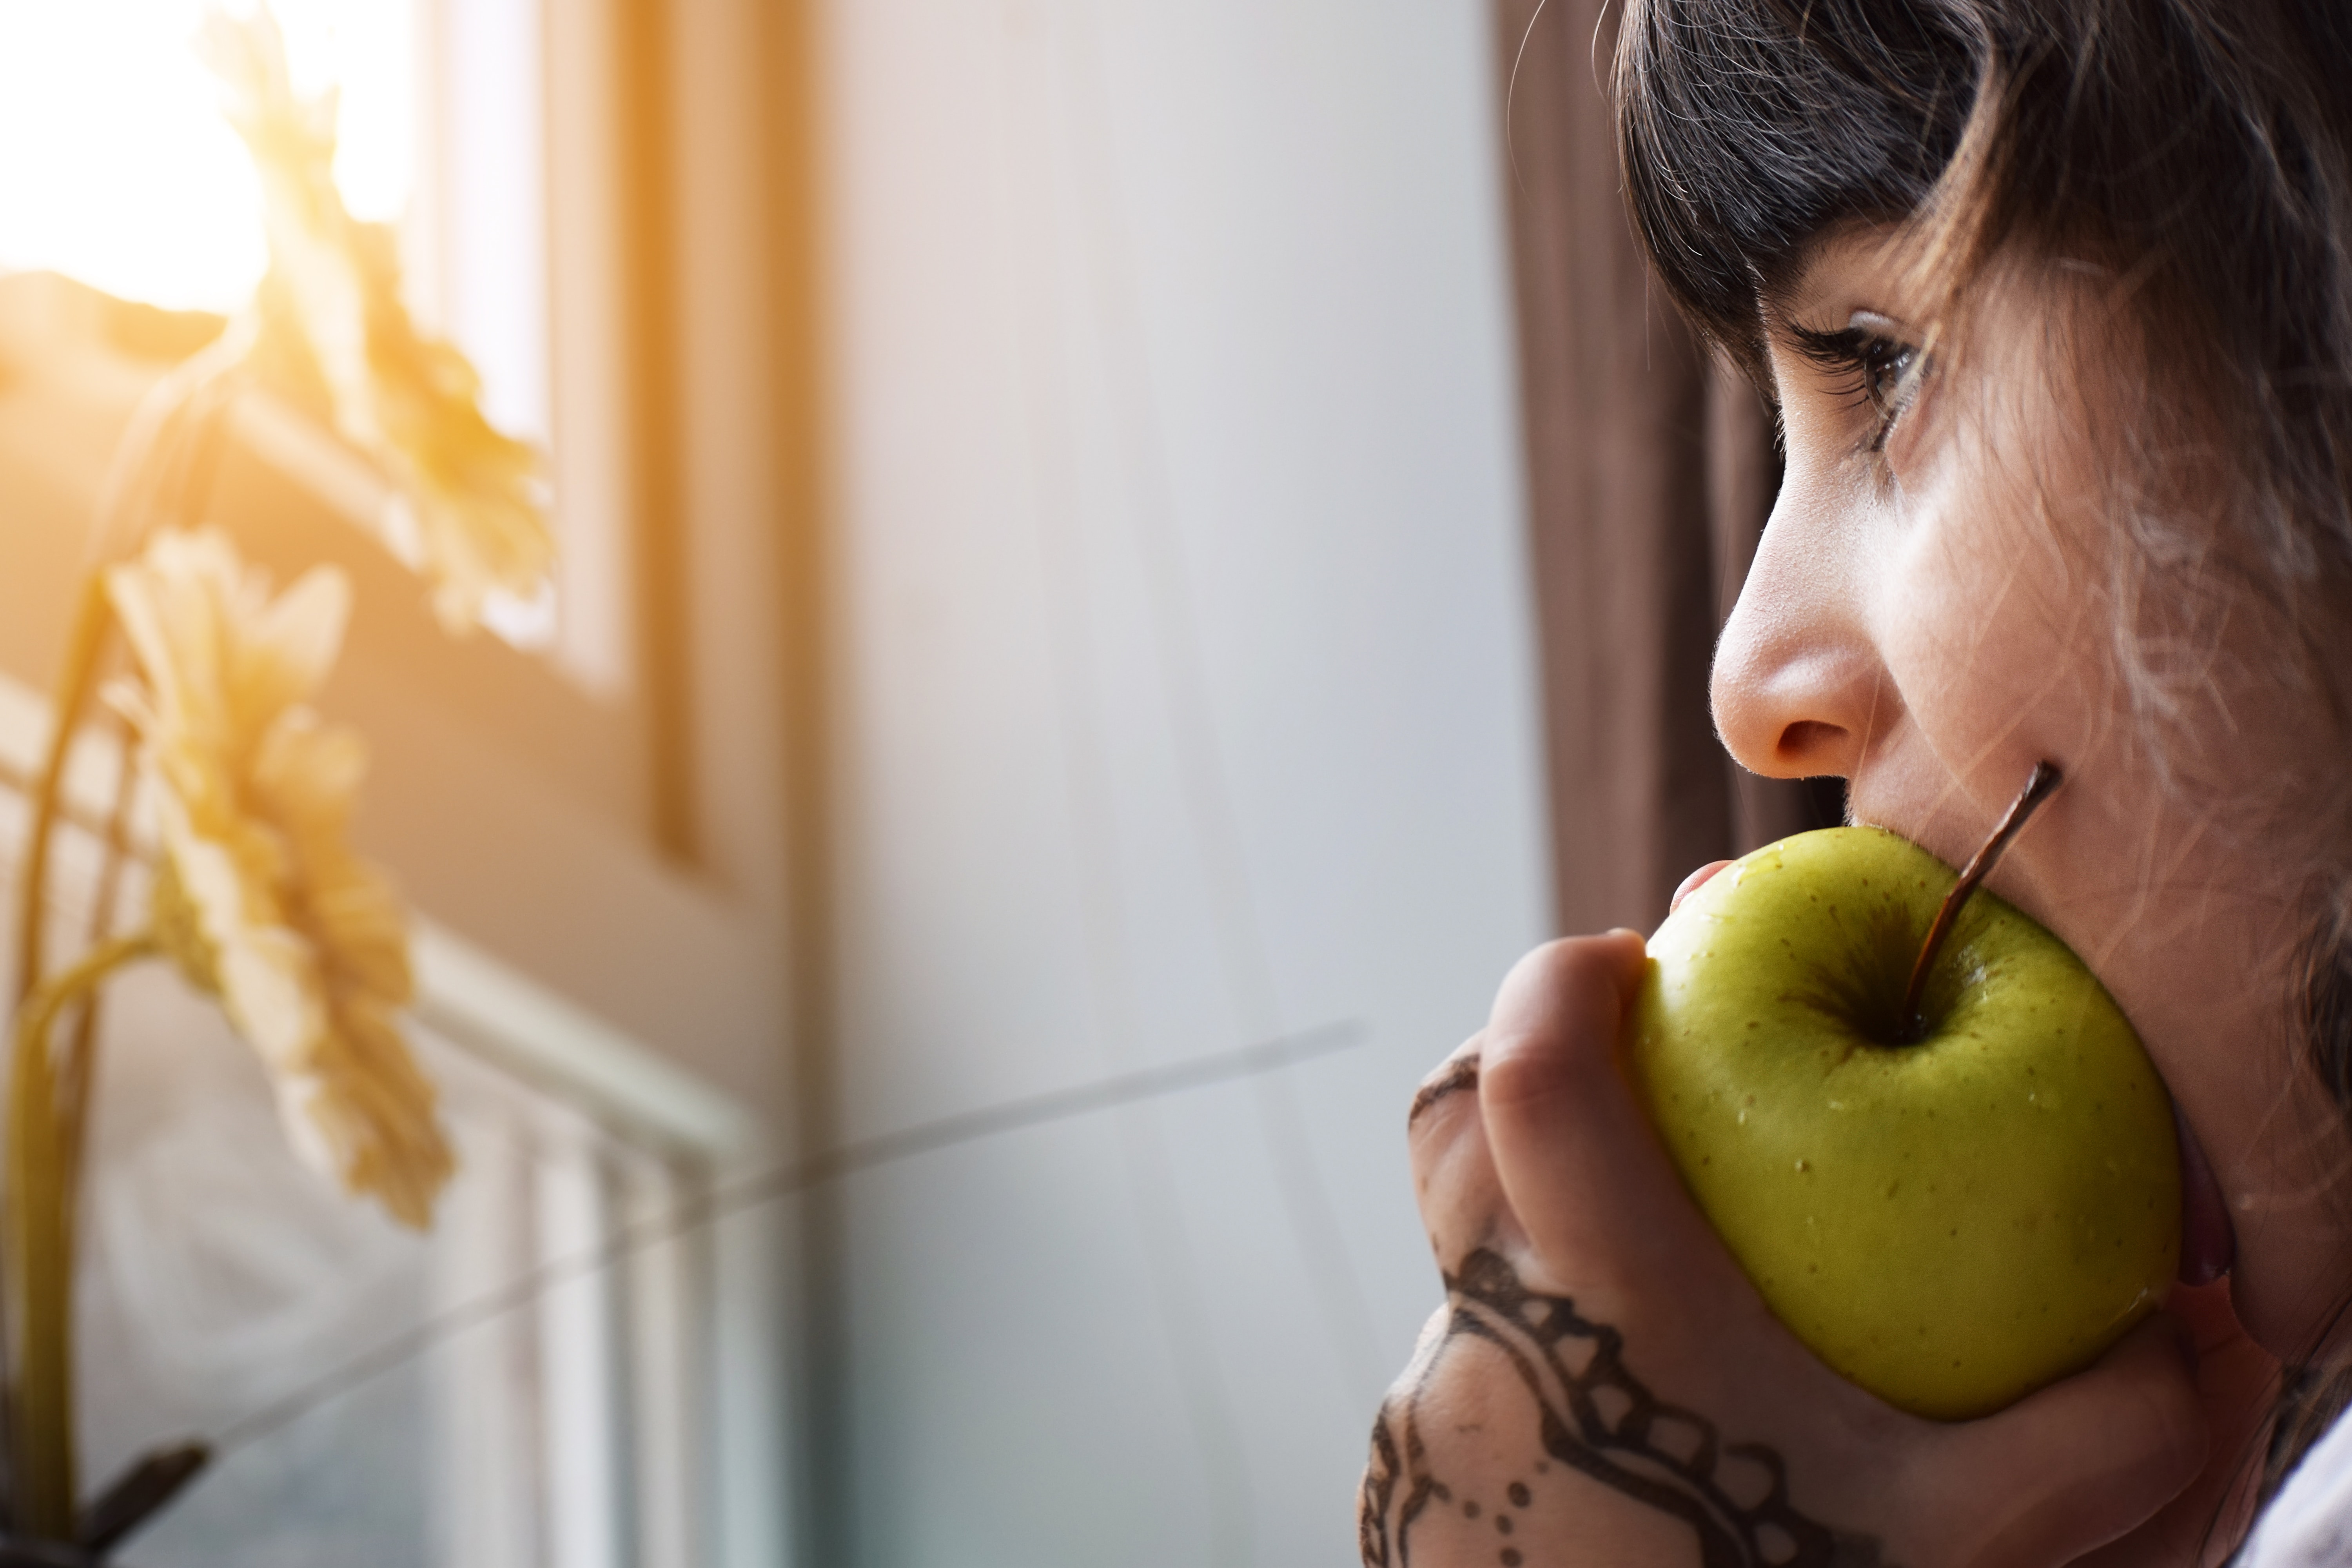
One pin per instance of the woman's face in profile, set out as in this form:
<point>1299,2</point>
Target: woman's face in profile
<point>1931,611</point>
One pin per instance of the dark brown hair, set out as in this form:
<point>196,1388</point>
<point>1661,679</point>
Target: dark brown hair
<point>2199,151</point>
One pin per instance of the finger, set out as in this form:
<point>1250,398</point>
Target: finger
<point>1455,1077</point>
<point>1694,882</point>
<point>1605,1215</point>
<point>1576,1158</point>
<point>2237,1385</point>
<point>1454,1179</point>
<point>2084,1461</point>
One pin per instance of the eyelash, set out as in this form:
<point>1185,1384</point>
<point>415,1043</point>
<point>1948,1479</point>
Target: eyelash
<point>1879,371</point>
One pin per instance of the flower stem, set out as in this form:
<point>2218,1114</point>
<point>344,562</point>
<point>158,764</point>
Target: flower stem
<point>126,510</point>
<point>35,1162</point>
<point>91,620</point>
<point>76,1059</point>
<point>40,1244</point>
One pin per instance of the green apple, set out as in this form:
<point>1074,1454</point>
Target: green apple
<point>1951,1211</point>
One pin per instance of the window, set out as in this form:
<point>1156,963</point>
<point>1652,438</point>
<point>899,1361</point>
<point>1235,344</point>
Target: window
<point>447,122</point>
<point>596,823</point>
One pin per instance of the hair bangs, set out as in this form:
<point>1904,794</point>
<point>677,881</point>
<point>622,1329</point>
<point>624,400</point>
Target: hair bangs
<point>1747,127</point>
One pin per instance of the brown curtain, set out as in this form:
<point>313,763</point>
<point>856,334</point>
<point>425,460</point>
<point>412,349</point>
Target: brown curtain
<point>1650,471</point>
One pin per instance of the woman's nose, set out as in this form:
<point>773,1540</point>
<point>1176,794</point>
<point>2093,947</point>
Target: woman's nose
<point>1798,690</point>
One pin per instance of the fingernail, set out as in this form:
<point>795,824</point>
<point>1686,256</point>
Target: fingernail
<point>1694,882</point>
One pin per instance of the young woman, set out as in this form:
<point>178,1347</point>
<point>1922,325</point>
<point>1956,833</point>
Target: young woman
<point>2055,301</point>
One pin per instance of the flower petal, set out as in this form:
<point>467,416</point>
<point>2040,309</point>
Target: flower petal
<point>305,942</point>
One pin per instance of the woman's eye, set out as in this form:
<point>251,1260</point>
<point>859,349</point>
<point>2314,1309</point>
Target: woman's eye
<point>1883,365</point>
<point>1871,368</point>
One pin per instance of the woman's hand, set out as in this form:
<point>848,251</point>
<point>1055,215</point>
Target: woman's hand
<point>2238,1384</point>
<point>1603,1386</point>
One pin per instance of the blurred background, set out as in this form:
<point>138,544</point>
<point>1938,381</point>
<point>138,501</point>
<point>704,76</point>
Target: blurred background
<point>1122,559</point>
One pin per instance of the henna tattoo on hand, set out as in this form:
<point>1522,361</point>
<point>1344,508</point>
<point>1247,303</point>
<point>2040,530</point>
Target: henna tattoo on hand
<point>1597,1418</point>
<point>1461,1074</point>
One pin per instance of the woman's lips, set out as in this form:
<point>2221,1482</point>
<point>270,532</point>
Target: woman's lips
<point>2207,1243</point>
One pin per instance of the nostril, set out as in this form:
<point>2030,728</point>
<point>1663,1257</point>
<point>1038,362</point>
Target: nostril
<point>1806,741</point>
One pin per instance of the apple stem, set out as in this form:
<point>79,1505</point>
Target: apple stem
<point>2040,786</point>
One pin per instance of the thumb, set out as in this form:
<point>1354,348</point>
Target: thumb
<point>1577,1162</point>
<point>2084,1461</point>
<point>1585,1177</point>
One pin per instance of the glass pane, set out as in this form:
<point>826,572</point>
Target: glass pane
<point>119,169</point>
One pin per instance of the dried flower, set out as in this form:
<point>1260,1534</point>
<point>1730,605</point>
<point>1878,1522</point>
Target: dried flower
<point>260,897</point>
<point>473,522</point>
